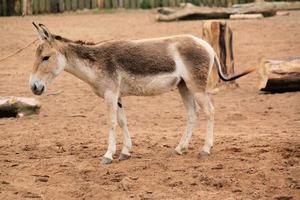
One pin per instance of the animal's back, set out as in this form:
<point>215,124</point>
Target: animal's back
<point>154,56</point>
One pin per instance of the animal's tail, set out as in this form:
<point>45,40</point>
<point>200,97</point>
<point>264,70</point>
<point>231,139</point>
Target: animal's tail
<point>223,77</point>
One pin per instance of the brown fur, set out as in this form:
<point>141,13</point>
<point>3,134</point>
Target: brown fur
<point>196,59</point>
<point>135,58</point>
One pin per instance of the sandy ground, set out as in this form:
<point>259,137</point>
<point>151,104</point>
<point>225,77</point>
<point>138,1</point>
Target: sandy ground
<point>56,155</point>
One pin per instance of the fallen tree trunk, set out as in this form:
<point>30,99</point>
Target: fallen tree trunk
<point>18,106</point>
<point>280,76</point>
<point>276,5</point>
<point>191,12</point>
<point>219,35</point>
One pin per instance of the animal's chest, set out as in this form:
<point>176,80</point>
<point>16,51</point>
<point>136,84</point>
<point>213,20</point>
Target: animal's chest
<point>148,85</point>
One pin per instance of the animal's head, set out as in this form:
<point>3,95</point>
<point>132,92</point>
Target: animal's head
<point>49,61</point>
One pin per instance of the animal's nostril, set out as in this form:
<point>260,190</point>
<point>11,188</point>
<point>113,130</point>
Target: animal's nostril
<point>42,90</point>
<point>33,87</point>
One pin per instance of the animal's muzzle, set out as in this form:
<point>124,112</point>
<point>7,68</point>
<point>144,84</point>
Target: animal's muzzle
<point>37,88</point>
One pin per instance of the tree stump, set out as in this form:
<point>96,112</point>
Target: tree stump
<point>219,35</point>
<point>279,75</point>
<point>18,106</point>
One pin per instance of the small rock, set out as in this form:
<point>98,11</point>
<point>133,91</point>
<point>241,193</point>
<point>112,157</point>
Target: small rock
<point>236,190</point>
<point>31,195</point>
<point>284,198</point>
<point>218,166</point>
<point>126,184</point>
<point>166,145</point>
<point>4,182</point>
<point>134,178</point>
<point>43,179</point>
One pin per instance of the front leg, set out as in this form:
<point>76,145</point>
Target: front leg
<point>125,153</point>
<point>111,100</point>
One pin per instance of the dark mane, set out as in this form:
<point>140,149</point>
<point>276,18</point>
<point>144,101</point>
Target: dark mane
<point>80,42</point>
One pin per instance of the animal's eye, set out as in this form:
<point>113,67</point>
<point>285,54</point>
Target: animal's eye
<point>45,58</point>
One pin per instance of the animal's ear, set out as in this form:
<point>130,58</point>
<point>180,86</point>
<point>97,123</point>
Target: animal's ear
<point>43,32</point>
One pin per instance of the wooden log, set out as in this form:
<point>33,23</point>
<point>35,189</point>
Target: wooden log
<point>195,12</point>
<point>219,35</point>
<point>282,13</point>
<point>246,16</point>
<point>276,5</point>
<point>279,75</point>
<point>18,106</point>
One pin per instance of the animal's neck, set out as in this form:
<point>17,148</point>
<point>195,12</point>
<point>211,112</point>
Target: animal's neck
<point>80,67</point>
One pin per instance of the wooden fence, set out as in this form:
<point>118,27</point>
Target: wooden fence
<point>19,7</point>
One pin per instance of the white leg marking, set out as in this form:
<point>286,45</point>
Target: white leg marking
<point>205,103</point>
<point>192,117</point>
<point>111,99</point>
<point>127,144</point>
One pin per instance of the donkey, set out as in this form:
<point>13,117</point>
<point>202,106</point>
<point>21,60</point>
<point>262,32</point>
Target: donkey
<point>119,68</point>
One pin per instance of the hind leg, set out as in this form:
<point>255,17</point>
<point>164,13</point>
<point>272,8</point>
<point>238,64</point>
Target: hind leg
<point>190,105</point>
<point>111,99</point>
<point>204,102</point>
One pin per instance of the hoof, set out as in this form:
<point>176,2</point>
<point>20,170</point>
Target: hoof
<point>106,161</point>
<point>178,151</point>
<point>124,157</point>
<point>203,154</point>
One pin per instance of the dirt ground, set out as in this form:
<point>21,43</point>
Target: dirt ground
<point>56,154</point>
